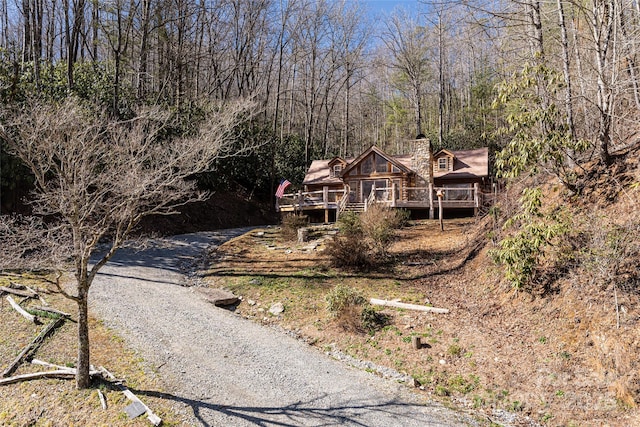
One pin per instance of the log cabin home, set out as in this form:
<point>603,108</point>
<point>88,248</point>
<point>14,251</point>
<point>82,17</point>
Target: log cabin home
<point>411,181</point>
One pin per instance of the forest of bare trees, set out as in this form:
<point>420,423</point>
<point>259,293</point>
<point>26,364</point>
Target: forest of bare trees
<point>115,110</point>
<point>334,77</point>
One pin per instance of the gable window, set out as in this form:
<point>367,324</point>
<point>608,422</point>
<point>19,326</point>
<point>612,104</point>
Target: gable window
<point>381,164</point>
<point>336,170</point>
<point>367,166</point>
<point>443,164</point>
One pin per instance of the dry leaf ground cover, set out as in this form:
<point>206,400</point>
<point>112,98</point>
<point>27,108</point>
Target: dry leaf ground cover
<point>544,360</point>
<point>53,402</point>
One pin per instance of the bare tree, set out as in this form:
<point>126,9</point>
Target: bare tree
<point>407,43</point>
<point>98,178</point>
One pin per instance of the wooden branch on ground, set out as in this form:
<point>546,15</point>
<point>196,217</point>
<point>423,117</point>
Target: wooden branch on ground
<point>396,304</point>
<point>21,310</point>
<point>103,400</point>
<point>51,310</point>
<point>32,346</point>
<point>51,365</point>
<point>38,295</point>
<point>14,285</point>
<point>18,292</point>
<point>61,374</point>
<point>153,418</point>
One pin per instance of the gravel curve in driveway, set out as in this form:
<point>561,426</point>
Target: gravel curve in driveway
<point>223,370</point>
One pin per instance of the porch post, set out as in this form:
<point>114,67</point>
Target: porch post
<point>430,201</point>
<point>476,198</point>
<point>394,191</point>
<point>325,196</point>
<point>440,213</point>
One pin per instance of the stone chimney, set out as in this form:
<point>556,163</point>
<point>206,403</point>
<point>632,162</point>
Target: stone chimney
<point>422,161</point>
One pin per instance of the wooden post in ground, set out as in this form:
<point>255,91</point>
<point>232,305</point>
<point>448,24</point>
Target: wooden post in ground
<point>430,201</point>
<point>440,209</point>
<point>415,341</point>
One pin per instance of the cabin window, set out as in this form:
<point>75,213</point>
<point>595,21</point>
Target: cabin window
<point>395,169</point>
<point>381,164</point>
<point>443,164</point>
<point>336,171</point>
<point>367,166</point>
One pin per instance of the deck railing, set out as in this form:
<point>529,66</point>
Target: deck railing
<point>418,197</point>
<point>328,199</point>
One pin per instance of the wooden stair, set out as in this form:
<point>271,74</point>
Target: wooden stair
<point>354,207</point>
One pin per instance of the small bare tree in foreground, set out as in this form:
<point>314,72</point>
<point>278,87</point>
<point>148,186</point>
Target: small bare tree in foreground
<point>96,179</point>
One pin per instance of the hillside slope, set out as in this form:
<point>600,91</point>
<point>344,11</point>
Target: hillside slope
<point>561,353</point>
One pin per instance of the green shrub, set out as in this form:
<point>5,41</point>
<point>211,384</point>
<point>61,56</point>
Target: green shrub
<point>352,311</point>
<point>349,251</point>
<point>341,298</point>
<point>364,239</point>
<point>373,320</point>
<point>349,224</point>
<point>523,252</point>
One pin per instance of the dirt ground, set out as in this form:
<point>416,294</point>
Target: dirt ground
<point>52,402</point>
<point>514,358</point>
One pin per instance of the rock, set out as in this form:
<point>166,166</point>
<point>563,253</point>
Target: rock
<point>303,235</point>
<point>276,309</point>
<point>135,409</point>
<point>254,281</point>
<point>259,234</point>
<point>219,297</point>
<point>251,302</point>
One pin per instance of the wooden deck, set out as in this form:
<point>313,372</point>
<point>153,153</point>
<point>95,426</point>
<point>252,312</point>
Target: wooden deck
<point>411,198</point>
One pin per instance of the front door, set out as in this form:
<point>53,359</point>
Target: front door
<point>368,184</point>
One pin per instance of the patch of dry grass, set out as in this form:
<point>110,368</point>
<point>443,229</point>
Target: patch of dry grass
<point>51,402</point>
<point>559,359</point>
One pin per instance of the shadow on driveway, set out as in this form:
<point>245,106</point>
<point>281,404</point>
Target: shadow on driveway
<point>305,413</point>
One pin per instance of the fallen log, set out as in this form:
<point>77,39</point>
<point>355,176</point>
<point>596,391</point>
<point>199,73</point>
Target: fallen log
<point>153,418</point>
<point>396,304</point>
<point>18,292</point>
<point>32,346</point>
<point>21,310</point>
<point>51,365</point>
<point>61,374</point>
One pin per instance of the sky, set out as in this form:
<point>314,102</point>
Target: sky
<point>387,6</point>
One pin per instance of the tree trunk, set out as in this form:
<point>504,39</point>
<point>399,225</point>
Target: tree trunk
<point>567,77</point>
<point>602,36</point>
<point>67,43</point>
<point>83,380</point>
<point>440,83</point>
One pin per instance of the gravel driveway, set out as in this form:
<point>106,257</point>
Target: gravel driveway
<point>224,370</point>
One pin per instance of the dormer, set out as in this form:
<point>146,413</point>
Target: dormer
<point>336,166</point>
<point>443,161</point>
